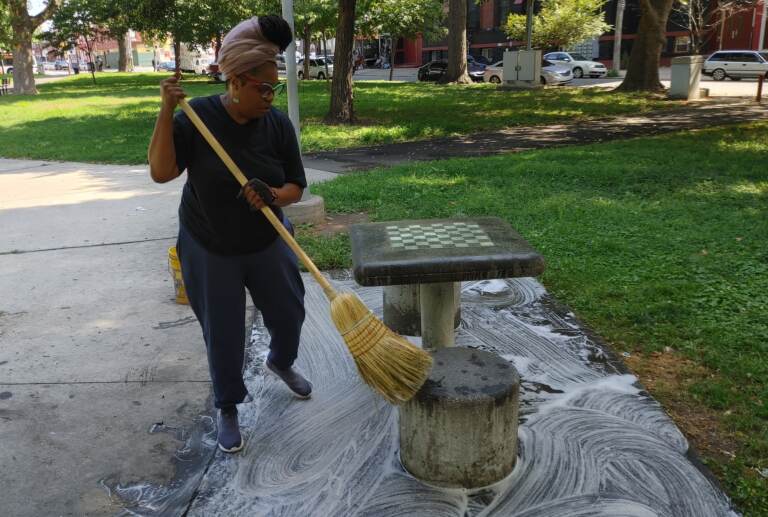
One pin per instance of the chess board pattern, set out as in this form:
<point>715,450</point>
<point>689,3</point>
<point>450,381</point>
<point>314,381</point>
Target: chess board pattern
<point>437,236</point>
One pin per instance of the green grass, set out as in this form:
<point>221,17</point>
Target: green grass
<point>112,121</point>
<point>654,242</point>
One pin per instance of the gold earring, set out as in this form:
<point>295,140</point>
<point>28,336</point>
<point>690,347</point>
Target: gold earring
<point>235,100</point>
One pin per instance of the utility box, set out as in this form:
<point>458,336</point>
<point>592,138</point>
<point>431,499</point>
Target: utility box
<point>686,74</point>
<point>522,68</point>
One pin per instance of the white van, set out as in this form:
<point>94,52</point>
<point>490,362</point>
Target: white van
<point>736,64</point>
<point>195,61</point>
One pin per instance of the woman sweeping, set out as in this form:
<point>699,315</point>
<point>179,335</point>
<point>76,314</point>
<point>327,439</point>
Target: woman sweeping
<point>225,244</point>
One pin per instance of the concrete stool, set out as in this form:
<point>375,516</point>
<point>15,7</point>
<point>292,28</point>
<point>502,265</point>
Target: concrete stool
<point>460,430</point>
<point>402,311</point>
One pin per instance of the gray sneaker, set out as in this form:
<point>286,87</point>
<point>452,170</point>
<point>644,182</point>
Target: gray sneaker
<point>300,386</point>
<point>229,430</point>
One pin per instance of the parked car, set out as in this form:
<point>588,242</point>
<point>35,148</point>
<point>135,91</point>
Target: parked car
<point>214,72</point>
<point>280,59</point>
<point>432,71</point>
<point>580,66</point>
<point>475,69</point>
<point>550,73</point>
<point>61,64</point>
<point>736,64</point>
<point>435,70</point>
<point>317,68</point>
<point>168,66</point>
<point>554,74</point>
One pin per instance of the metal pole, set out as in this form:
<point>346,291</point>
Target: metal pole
<point>761,43</point>
<point>617,31</point>
<point>290,72</point>
<point>529,26</point>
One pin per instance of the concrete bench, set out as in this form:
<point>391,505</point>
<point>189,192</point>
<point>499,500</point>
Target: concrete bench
<point>460,430</point>
<point>426,260</point>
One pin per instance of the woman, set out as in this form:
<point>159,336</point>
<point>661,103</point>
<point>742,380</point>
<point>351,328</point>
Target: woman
<point>225,244</point>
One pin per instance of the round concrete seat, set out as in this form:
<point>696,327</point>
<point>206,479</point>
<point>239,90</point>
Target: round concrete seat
<point>460,430</point>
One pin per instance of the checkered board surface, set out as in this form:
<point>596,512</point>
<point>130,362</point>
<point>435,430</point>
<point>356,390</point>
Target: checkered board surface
<point>437,236</point>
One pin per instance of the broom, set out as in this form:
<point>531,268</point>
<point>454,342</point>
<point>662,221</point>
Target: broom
<point>387,362</point>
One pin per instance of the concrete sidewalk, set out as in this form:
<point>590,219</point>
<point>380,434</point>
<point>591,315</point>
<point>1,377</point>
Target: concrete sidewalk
<point>103,377</point>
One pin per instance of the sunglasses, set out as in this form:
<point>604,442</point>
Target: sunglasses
<point>266,90</point>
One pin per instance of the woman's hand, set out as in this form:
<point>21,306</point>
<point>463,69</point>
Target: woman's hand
<point>255,200</point>
<point>172,92</point>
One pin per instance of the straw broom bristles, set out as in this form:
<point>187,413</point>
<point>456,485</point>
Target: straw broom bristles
<point>386,361</point>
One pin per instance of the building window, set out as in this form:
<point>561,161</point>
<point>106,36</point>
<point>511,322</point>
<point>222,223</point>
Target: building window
<point>682,44</point>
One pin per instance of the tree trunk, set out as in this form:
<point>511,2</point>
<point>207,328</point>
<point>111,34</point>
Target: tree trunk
<point>23,65</point>
<point>643,69</point>
<point>22,27</point>
<point>325,55</point>
<point>91,62</point>
<point>177,54</point>
<point>342,100</point>
<point>457,43</point>
<point>217,47</point>
<point>125,53</point>
<point>306,44</point>
<point>392,49</point>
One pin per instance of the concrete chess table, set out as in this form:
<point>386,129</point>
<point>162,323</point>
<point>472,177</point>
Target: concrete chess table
<point>436,255</point>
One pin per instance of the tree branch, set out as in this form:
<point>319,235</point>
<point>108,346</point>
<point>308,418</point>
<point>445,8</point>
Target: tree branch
<point>38,19</point>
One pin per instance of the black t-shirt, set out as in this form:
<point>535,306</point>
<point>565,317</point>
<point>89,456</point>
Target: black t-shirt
<point>265,148</point>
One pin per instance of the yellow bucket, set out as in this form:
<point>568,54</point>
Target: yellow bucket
<point>174,266</point>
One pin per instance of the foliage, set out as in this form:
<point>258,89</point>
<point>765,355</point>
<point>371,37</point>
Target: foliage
<point>402,18</point>
<point>561,23</point>
<point>123,108</point>
<point>5,28</point>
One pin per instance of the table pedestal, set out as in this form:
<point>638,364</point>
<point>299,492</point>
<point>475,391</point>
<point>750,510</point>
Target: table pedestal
<point>460,430</point>
<point>438,307</point>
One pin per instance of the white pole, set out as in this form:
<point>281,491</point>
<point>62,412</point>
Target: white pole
<point>617,31</point>
<point>761,43</point>
<point>290,72</point>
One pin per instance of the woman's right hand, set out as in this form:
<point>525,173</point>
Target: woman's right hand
<point>171,92</point>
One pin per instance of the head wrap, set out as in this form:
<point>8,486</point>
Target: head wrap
<point>245,48</point>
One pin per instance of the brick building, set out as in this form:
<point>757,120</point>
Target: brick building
<point>743,29</point>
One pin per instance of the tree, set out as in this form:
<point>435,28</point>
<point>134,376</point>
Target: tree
<point>457,43</point>
<point>74,21</point>
<point>5,29</point>
<point>402,19</point>
<point>23,26</point>
<point>342,102</point>
<point>643,69</point>
<point>704,19</point>
<point>561,23</point>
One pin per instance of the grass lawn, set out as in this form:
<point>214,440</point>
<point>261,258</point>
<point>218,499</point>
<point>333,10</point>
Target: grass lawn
<point>112,121</point>
<point>659,244</point>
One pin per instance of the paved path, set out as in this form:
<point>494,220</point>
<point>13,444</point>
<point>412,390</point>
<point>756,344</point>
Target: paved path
<point>94,353</point>
<point>526,137</point>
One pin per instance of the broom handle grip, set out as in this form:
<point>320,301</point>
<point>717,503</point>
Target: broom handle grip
<point>238,174</point>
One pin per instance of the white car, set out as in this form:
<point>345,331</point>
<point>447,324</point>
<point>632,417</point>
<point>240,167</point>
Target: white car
<point>736,64</point>
<point>550,73</point>
<point>316,68</point>
<point>580,66</point>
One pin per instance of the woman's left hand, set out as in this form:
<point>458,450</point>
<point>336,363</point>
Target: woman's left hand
<point>258,194</point>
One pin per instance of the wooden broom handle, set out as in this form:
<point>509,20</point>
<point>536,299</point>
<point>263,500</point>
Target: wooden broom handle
<point>238,174</point>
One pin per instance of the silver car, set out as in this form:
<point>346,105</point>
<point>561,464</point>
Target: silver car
<point>550,73</point>
<point>736,64</point>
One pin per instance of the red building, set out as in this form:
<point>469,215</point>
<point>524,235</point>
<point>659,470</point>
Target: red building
<point>744,28</point>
